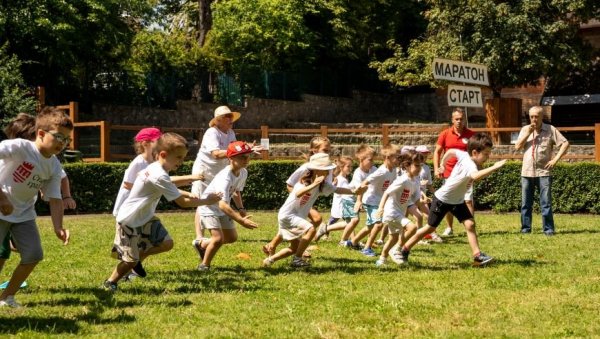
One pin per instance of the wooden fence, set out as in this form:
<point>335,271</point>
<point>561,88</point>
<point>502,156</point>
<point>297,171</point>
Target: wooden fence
<point>386,131</point>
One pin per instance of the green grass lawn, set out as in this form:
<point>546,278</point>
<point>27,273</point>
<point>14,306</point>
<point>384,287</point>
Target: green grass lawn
<point>539,287</point>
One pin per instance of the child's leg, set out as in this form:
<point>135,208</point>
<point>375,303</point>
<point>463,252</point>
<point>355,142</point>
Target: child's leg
<point>213,246</point>
<point>360,235</point>
<point>373,234</point>
<point>414,210</point>
<point>286,252</point>
<point>385,252</point>
<point>198,226</point>
<point>418,236</point>
<point>408,231</point>
<point>123,268</point>
<point>384,233</point>
<point>314,217</point>
<point>164,246</point>
<point>27,239</point>
<point>350,228</point>
<point>340,224</point>
<point>449,219</point>
<point>304,241</point>
<point>472,236</point>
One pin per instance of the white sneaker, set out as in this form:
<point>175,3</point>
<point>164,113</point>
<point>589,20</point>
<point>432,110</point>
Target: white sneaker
<point>436,238</point>
<point>268,262</point>
<point>398,258</point>
<point>423,242</point>
<point>379,242</point>
<point>380,262</point>
<point>448,232</point>
<point>321,231</point>
<point>10,302</point>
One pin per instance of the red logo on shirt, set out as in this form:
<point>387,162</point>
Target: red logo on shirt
<point>386,184</point>
<point>305,199</point>
<point>22,172</point>
<point>404,196</point>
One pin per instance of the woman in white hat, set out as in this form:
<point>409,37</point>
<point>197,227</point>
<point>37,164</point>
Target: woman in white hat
<point>294,225</point>
<point>212,155</point>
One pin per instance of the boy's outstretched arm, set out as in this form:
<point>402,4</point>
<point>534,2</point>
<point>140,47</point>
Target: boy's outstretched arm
<point>187,199</point>
<point>487,171</point>
<point>244,221</point>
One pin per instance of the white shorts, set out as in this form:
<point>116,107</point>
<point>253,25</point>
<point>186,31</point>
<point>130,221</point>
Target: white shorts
<point>212,222</point>
<point>293,227</point>
<point>396,225</point>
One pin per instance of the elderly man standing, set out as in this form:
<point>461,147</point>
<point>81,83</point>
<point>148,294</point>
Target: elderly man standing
<point>455,137</point>
<point>538,140</point>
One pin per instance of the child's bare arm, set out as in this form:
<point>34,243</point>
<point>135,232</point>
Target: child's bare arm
<point>6,207</point>
<point>65,190</point>
<point>244,221</point>
<point>186,180</point>
<point>487,171</point>
<point>56,214</point>
<point>384,198</point>
<point>451,153</point>
<point>187,199</point>
<point>237,199</point>
<point>318,180</point>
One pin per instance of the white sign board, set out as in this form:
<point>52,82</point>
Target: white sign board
<point>458,71</point>
<point>464,96</point>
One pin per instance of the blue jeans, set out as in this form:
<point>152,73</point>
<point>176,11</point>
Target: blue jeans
<point>527,188</point>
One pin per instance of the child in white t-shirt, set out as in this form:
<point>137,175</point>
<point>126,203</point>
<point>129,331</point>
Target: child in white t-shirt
<point>26,168</point>
<point>140,233</point>
<point>318,144</point>
<point>351,204</point>
<point>426,183</point>
<point>451,196</point>
<point>376,184</point>
<point>393,207</point>
<point>337,221</point>
<point>218,217</point>
<point>293,224</point>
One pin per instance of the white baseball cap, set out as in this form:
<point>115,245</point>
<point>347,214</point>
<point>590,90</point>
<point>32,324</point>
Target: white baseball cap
<point>422,149</point>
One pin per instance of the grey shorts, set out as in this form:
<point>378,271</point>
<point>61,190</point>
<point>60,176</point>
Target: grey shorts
<point>212,222</point>
<point>26,237</point>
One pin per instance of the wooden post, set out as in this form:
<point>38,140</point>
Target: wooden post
<point>597,143</point>
<point>104,141</point>
<point>41,98</point>
<point>74,115</point>
<point>264,134</point>
<point>385,134</point>
<point>324,131</point>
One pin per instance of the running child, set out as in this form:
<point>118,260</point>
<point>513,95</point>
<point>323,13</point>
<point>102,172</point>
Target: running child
<point>394,204</point>
<point>450,197</point>
<point>140,233</point>
<point>293,224</point>
<point>218,217</point>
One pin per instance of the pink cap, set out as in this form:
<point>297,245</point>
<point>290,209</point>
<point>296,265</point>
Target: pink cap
<point>148,134</point>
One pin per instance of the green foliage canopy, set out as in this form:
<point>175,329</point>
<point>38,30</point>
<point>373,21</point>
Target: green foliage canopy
<point>519,41</point>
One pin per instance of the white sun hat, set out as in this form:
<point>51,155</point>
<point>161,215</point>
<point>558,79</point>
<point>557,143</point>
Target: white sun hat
<point>422,149</point>
<point>321,162</point>
<point>223,110</point>
<point>405,149</point>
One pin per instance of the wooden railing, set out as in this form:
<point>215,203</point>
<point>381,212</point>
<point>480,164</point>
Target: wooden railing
<point>386,130</point>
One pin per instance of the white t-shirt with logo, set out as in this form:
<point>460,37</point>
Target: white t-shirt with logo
<point>23,172</point>
<point>357,178</point>
<point>454,189</point>
<point>300,207</point>
<point>150,184</point>
<point>402,193</point>
<point>227,183</point>
<point>206,163</point>
<point>136,165</point>
<point>378,182</point>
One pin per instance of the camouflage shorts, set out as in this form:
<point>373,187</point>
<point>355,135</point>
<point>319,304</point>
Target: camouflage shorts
<point>131,241</point>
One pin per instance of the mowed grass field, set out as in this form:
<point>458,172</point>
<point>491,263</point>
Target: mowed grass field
<point>539,287</point>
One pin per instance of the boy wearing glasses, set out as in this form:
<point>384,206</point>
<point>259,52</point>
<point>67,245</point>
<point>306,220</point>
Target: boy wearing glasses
<point>27,167</point>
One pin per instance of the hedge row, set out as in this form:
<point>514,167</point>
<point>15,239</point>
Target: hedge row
<point>575,190</point>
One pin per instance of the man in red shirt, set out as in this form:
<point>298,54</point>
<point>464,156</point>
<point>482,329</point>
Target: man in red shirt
<point>456,137</point>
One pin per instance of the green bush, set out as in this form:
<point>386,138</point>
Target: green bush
<point>95,185</point>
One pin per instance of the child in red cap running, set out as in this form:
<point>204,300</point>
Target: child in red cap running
<point>217,218</point>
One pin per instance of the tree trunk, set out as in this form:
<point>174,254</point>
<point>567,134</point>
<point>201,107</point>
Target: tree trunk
<point>205,20</point>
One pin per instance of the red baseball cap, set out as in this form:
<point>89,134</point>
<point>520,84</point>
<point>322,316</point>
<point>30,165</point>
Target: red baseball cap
<point>238,148</point>
<point>148,134</point>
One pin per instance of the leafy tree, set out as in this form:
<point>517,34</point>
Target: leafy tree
<point>14,97</point>
<point>519,41</point>
<point>64,44</point>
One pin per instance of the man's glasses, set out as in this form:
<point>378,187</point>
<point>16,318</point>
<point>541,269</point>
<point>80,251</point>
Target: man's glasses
<point>63,139</point>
